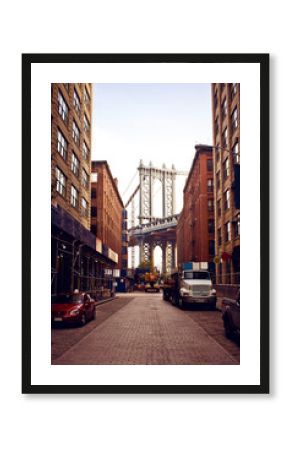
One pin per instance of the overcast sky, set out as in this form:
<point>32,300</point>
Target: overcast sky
<point>154,122</point>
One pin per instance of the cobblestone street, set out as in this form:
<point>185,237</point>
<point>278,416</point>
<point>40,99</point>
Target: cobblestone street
<point>144,329</point>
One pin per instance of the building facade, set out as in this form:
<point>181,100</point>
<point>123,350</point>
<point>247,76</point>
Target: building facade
<point>106,211</point>
<point>226,160</point>
<point>72,245</point>
<point>71,115</point>
<point>195,228</point>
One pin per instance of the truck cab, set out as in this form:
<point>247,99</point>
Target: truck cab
<point>195,286</point>
<point>191,284</point>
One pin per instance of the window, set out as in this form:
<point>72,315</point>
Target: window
<point>217,152</point>
<point>219,236</point>
<point>85,179</point>
<point>124,250</point>
<point>234,90</point>
<point>77,102</point>
<point>210,185</point>
<point>224,108</point>
<point>93,211</point>
<point>62,108</point>
<point>94,177</point>
<point>211,226</point>
<point>74,197</point>
<point>217,125</point>
<point>85,152</point>
<point>227,231</point>
<point>60,181</point>
<point>218,180</point>
<point>225,137</point>
<point>211,248</point>
<point>209,165</point>
<point>76,133</point>
<point>75,165</point>
<point>84,207</point>
<point>86,124</point>
<point>93,193</point>
<point>236,226</point>
<point>227,199</point>
<point>61,145</point>
<point>210,205</point>
<point>226,168</point>
<point>86,96</point>
<point>234,119</point>
<point>236,155</point>
<point>219,208</point>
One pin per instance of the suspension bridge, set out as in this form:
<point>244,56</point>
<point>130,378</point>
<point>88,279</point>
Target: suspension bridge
<point>146,230</point>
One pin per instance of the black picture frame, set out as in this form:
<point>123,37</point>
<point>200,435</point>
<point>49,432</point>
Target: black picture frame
<point>263,61</point>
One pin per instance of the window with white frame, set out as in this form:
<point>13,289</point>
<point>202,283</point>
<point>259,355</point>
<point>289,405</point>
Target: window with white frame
<point>227,231</point>
<point>225,137</point>
<point>62,107</point>
<point>236,154</point>
<point>62,145</point>
<point>227,199</point>
<point>94,177</point>
<point>76,133</point>
<point>234,90</point>
<point>210,205</point>
<point>236,225</point>
<point>85,152</point>
<point>60,181</point>
<point>226,167</point>
<point>224,108</point>
<point>86,96</point>
<point>75,165</point>
<point>210,185</point>
<point>85,179</point>
<point>234,119</point>
<point>74,197</point>
<point>77,102</point>
<point>86,124</point>
<point>84,207</point>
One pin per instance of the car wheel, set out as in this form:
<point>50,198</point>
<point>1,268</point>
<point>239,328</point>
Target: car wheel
<point>228,329</point>
<point>83,319</point>
<point>180,303</point>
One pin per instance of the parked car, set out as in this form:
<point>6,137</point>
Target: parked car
<point>73,308</point>
<point>231,317</point>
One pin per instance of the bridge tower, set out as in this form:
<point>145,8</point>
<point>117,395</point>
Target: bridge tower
<point>153,231</point>
<point>147,176</point>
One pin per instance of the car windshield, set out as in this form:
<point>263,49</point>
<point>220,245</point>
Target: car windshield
<point>74,299</point>
<point>196,276</point>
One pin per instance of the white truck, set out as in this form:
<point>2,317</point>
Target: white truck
<point>190,285</point>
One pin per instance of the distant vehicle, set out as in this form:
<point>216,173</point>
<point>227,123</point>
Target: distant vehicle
<point>231,317</point>
<point>73,308</point>
<point>152,287</point>
<point>190,285</point>
<point>151,280</point>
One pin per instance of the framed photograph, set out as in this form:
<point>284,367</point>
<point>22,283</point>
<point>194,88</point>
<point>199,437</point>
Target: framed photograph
<point>140,274</point>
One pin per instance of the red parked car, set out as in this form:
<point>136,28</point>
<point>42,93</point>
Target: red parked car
<point>73,308</point>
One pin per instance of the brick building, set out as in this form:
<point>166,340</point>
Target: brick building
<point>106,211</point>
<point>195,229</point>
<point>226,158</point>
<point>73,247</point>
<point>71,111</point>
